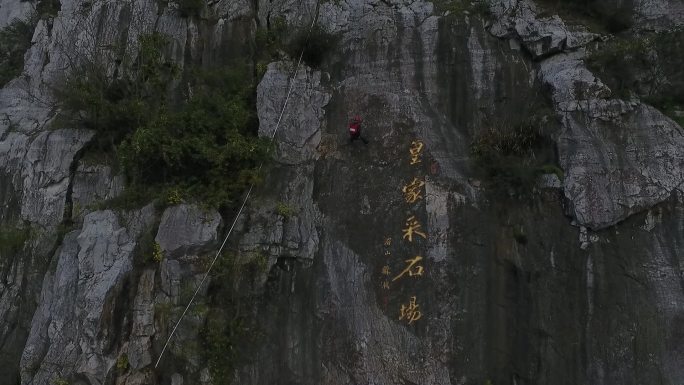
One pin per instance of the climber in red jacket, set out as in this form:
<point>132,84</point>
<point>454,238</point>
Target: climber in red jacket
<point>355,130</point>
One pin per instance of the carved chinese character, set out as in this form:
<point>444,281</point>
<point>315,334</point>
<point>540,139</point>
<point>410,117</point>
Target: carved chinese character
<point>410,311</point>
<point>388,241</point>
<point>412,227</point>
<point>412,190</point>
<point>412,269</point>
<point>386,270</point>
<point>385,285</point>
<point>415,150</point>
<point>387,252</point>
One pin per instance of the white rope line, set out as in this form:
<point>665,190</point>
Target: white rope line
<point>244,202</point>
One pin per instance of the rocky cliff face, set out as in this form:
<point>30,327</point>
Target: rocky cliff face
<point>386,263</point>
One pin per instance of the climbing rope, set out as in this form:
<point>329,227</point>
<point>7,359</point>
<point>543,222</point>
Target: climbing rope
<point>244,202</point>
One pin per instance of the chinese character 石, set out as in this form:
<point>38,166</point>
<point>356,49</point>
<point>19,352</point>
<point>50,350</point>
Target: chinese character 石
<point>388,241</point>
<point>415,150</point>
<point>386,270</point>
<point>385,285</point>
<point>412,190</point>
<point>410,269</point>
<point>410,312</point>
<point>413,227</point>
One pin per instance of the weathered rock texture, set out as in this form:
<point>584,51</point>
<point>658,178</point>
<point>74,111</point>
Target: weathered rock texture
<point>581,284</point>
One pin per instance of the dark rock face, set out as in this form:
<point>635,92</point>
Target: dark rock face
<point>385,263</point>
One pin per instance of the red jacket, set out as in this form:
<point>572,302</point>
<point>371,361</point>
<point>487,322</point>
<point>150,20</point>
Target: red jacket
<point>355,129</point>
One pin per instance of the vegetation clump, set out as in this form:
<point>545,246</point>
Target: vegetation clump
<point>122,362</point>
<point>511,157</point>
<point>13,239</point>
<point>15,40</point>
<point>648,67</point>
<point>284,210</point>
<point>203,145</point>
<point>313,44</point>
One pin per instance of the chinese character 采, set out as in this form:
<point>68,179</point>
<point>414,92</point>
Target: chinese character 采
<point>412,227</point>
<point>410,312</point>
<point>412,190</point>
<point>412,269</point>
<point>415,150</point>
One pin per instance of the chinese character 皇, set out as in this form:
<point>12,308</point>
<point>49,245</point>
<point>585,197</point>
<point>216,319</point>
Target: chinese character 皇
<point>415,150</point>
<point>412,190</point>
<point>385,285</point>
<point>388,241</point>
<point>410,312</point>
<point>410,269</point>
<point>386,270</point>
<point>412,227</point>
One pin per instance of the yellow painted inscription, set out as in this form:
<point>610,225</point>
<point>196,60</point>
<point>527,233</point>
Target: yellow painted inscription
<point>412,227</point>
<point>415,150</point>
<point>413,268</point>
<point>410,312</point>
<point>412,190</point>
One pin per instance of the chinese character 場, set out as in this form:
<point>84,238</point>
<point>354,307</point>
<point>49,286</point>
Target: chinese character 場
<point>410,312</point>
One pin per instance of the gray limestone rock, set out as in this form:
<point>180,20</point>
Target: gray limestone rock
<point>541,37</point>
<point>186,230</point>
<point>93,183</point>
<point>74,323</point>
<point>41,166</point>
<point>299,127</point>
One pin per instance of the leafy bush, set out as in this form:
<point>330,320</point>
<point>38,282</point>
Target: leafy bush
<point>314,45</point>
<point>122,362</point>
<point>157,254</point>
<point>189,8</point>
<point>204,147</point>
<point>507,157</point>
<point>600,16</point>
<point>12,239</point>
<point>115,107</point>
<point>649,67</point>
<point>284,210</point>
<point>15,40</point>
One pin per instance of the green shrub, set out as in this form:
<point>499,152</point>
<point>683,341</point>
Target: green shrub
<point>48,8</point>
<point>520,236</point>
<point>552,169</point>
<point>188,8</point>
<point>15,40</point>
<point>507,157</point>
<point>284,210</point>
<point>157,254</point>
<point>173,197</point>
<point>205,146</point>
<point>122,362</point>
<point>61,381</point>
<point>115,107</point>
<point>314,45</point>
<point>13,239</point>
